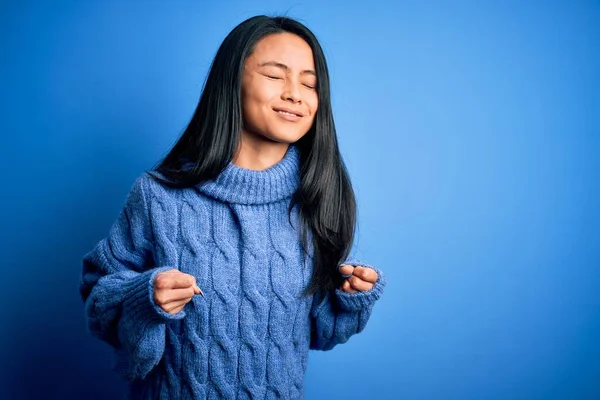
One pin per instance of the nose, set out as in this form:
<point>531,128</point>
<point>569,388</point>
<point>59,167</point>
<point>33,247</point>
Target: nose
<point>291,92</point>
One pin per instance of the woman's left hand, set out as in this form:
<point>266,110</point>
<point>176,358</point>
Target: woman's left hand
<point>362,279</point>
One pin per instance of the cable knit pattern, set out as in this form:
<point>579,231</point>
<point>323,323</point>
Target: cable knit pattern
<point>249,336</point>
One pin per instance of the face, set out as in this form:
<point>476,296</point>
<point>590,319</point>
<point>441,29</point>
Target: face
<point>279,97</point>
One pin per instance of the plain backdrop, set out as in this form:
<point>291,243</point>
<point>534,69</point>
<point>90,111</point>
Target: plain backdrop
<point>471,131</point>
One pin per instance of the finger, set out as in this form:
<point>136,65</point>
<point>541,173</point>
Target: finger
<point>197,290</point>
<point>174,280</point>
<point>176,310</point>
<point>165,297</point>
<point>359,284</point>
<point>184,281</point>
<point>366,274</point>
<point>346,287</point>
<point>346,269</point>
<point>173,307</point>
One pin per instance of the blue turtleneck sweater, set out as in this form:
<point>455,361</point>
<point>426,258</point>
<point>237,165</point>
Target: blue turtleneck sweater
<point>249,336</point>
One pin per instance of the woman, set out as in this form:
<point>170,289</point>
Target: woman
<point>229,259</point>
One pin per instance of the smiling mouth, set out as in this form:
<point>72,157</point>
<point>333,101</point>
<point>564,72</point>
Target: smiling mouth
<point>288,112</point>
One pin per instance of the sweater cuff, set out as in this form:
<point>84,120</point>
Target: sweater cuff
<point>365,299</point>
<point>139,305</point>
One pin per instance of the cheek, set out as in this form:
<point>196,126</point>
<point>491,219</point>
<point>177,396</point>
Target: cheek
<point>251,107</point>
<point>253,95</point>
<point>259,100</point>
<point>314,107</point>
<point>313,103</point>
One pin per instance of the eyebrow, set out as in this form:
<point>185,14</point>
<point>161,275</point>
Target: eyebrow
<point>285,67</point>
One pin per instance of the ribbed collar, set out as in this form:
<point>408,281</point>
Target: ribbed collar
<point>245,186</point>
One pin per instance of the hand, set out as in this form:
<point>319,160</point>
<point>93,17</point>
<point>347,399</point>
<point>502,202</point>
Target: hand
<point>362,279</point>
<point>173,290</point>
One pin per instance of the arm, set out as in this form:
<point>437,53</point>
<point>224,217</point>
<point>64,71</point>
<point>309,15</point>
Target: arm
<point>338,315</point>
<point>117,287</point>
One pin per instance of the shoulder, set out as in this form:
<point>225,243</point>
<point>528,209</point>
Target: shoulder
<point>148,188</point>
<point>152,191</point>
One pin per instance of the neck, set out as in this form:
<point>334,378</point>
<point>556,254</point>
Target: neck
<point>241,185</point>
<point>257,153</point>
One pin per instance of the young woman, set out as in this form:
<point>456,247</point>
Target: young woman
<point>230,260</point>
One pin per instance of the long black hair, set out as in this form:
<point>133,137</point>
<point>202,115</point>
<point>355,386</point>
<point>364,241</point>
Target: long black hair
<point>325,198</point>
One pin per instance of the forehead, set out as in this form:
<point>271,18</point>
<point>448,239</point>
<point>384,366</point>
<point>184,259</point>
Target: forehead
<point>285,48</point>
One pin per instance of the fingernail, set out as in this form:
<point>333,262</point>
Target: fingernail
<point>199,290</point>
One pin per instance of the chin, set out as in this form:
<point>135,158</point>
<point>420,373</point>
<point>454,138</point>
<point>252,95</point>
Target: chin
<point>289,138</point>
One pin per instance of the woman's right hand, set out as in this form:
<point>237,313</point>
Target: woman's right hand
<point>173,289</point>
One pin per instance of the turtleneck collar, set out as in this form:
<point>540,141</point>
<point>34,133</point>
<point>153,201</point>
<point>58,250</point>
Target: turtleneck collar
<point>245,186</point>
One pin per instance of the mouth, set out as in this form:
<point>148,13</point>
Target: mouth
<point>288,112</point>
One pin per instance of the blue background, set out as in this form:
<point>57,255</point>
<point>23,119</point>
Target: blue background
<point>471,132</point>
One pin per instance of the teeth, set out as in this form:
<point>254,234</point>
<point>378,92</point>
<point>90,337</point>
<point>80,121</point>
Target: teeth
<point>287,113</point>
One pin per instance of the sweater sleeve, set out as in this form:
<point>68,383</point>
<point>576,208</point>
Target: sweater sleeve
<point>117,289</point>
<point>338,315</point>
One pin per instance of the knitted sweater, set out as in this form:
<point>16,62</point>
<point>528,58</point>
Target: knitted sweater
<point>249,336</point>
